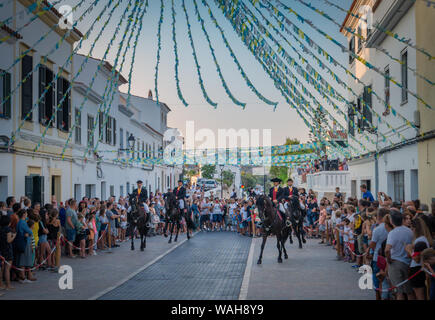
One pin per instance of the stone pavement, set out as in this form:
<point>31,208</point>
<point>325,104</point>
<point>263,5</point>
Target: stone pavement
<point>93,274</point>
<point>309,273</point>
<point>209,266</point>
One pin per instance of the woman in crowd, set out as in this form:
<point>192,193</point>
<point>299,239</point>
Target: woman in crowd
<point>6,238</point>
<point>103,221</point>
<point>23,243</point>
<point>53,226</point>
<point>44,246</point>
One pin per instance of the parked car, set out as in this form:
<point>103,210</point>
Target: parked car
<point>208,184</point>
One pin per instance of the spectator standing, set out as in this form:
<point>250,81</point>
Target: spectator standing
<point>397,257</point>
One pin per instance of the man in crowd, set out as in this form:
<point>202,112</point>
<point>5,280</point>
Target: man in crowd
<point>180,194</point>
<point>71,224</point>
<point>366,194</point>
<point>397,257</point>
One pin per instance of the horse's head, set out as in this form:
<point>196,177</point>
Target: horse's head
<point>294,208</point>
<point>264,206</point>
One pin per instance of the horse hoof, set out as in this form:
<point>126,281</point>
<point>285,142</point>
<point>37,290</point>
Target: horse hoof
<point>286,257</point>
<point>291,241</point>
<point>141,249</point>
<point>165,235</point>
<point>169,241</point>
<point>304,241</point>
<point>259,262</point>
<point>300,246</point>
<point>132,248</point>
<point>279,260</point>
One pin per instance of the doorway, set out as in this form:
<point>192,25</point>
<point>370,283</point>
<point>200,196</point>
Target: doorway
<point>56,187</point>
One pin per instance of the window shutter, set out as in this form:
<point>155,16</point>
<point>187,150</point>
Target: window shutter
<point>6,94</point>
<point>42,85</point>
<point>68,101</point>
<point>100,126</point>
<point>114,132</point>
<point>59,98</point>
<point>27,87</point>
<point>28,186</point>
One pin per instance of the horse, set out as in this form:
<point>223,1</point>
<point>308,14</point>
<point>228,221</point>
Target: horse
<point>137,219</point>
<point>174,216</point>
<point>272,223</point>
<point>296,215</point>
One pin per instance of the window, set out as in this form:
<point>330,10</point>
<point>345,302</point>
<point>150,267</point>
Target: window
<point>367,105</point>
<point>90,136</point>
<point>78,129</point>
<point>351,119</point>
<point>387,90</point>
<point>5,91</point>
<point>359,38</point>
<point>154,150</point>
<point>26,87</point>
<point>121,190</point>
<point>351,49</point>
<point>100,127</point>
<point>47,103</point>
<point>64,109</point>
<point>121,138</point>
<point>128,187</point>
<point>114,131</point>
<point>398,185</point>
<point>109,133</point>
<point>404,73</point>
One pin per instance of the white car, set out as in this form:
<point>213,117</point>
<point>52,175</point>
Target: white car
<point>209,184</point>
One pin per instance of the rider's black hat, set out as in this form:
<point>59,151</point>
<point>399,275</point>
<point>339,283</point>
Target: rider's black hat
<point>276,180</point>
<point>139,181</point>
<point>180,181</point>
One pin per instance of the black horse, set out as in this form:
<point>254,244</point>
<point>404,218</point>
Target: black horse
<point>296,215</point>
<point>272,223</point>
<point>137,219</point>
<point>174,216</point>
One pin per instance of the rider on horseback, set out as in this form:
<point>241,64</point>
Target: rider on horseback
<point>180,195</point>
<point>276,194</point>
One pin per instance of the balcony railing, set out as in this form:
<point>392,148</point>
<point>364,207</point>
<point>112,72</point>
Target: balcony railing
<point>325,182</point>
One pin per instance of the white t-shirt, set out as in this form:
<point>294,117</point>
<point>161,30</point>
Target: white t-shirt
<point>347,234</point>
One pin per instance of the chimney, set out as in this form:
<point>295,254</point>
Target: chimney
<point>150,94</point>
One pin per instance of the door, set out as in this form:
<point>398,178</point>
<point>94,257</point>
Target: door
<point>56,187</point>
<point>34,188</point>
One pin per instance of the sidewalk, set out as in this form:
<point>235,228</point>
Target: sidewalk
<point>93,274</point>
<point>309,273</point>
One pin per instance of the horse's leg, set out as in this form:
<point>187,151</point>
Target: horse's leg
<point>299,235</point>
<point>290,235</point>
<point>302,231</point>
<point>262,248</point>
<point>145,238</point>
<point>165,232</point>
<point>178,230</point>
<point>132,237</point>
<point>142,236</point>
<point>172,230</point>
<point>278,240</point>
<point>284,239</point>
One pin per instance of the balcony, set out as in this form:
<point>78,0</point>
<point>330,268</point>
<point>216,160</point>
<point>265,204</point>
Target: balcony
<point>324,183</point>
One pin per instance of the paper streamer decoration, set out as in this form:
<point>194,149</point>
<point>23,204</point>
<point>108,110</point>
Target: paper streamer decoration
<point>177,61</point>
<point>80,109</point>
<point>195,57</point>
<point>236,61</point>
<point>159,48</point>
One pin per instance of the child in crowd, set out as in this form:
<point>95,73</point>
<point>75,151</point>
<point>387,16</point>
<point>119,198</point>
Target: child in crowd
<point>348,240</point>
<point>6,238</point>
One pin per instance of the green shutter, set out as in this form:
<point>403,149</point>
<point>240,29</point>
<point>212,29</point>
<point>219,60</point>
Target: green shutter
<point>42,84</point>
<point>6,94</point>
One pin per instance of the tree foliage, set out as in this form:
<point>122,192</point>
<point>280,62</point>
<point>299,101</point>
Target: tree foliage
<point>208,171</point>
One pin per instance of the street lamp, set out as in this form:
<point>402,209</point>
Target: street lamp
<point>131,141</point>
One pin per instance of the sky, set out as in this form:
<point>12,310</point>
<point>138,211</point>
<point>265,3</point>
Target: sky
<point>284,121</point>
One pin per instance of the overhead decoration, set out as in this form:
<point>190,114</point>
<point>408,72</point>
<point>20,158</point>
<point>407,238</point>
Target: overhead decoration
<point>80,109</point>
<point>134,53</point>
<point>264,57</point>
<point>112,82</point>
<point>159,48</point>
<point>357,57</point>
<point>195,57</point>
<point>44,60</point>
<point>236,61</point>
<point>389,33</point>
<point>363,40</point>
<point>177,61</point>
<point>260,43</point>
<point>283,21</point>
<point>218,68</point>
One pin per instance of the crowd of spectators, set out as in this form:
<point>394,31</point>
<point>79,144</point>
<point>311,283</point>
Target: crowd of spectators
<point>322,164</point>
<point>394,238</point>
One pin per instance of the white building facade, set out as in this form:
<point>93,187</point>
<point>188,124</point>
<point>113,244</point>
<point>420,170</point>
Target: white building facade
<point>395,169</point>
<point>64,116</point>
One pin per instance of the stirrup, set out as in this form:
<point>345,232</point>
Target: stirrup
<point>288,223</point>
